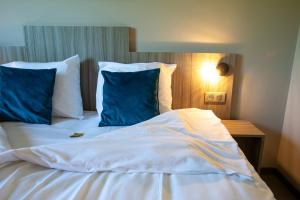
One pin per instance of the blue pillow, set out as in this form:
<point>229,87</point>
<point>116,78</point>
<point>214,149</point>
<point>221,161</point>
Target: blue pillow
<point>26,94</point>
<point>129,97</point>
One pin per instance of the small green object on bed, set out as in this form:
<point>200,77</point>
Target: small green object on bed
<point>74,135</point>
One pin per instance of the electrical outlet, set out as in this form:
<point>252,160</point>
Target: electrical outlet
<point>215,97</point>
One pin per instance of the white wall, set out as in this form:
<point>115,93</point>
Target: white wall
<point>263,31</point>
<point>289,151</point>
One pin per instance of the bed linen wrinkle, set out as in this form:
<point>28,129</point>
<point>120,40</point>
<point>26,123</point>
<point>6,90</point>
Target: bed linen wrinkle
<point>82,188</point>
<point>38,185</point>
<point>10,177</point>
<point>43,191</point>
<point>141,184</point>
<point>71,188</point>
<point>18,180</point>
<point>133,149</point>
<point>160,185</point>
<point>181,189</point>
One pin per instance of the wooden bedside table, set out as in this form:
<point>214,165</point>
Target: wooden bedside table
<point>249,138</point>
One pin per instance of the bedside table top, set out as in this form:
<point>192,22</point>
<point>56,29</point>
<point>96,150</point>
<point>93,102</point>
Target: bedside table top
<point>242,128</point>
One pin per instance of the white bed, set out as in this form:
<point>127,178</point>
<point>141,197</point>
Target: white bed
<point>43,162</point>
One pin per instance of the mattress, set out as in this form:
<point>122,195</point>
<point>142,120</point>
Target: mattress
<point>44,161</point>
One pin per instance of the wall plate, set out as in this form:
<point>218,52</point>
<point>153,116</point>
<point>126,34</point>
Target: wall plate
<point>215,97</point>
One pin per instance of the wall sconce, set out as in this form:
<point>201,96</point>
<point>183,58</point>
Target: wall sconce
<point>222,68</point>
<point>212,72</point>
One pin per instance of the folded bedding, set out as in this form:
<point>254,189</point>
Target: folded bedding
<point>177,146</point>
<point>151,146</point>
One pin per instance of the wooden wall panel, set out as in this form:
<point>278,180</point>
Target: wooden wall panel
<point>200,85</point>
<point>52,43</point>
<point>181,82</point>
<point>188,87</point>
<point>9,54</point>
<point>93,44</point>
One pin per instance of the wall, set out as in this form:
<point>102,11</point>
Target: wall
<point>263,32</point>
<point>289,150</point>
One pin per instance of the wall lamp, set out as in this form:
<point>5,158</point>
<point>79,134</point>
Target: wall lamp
<point>223,69</point>
<point>212,72</point>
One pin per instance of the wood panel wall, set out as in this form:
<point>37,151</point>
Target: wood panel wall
<point>93,44</point>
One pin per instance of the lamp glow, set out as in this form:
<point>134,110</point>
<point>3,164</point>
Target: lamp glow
<point>209,72</point>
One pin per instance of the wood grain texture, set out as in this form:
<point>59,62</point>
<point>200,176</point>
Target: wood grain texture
<point>247,135</point>
<point>242,128</point>
<point>9,54</point>
<point>200,85</point>
<point>181,82</point>
<point>93,44</point>
<point>188,87</point>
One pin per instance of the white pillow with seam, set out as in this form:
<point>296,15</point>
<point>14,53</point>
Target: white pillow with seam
<point>165,81</point>
<point>67,100</point>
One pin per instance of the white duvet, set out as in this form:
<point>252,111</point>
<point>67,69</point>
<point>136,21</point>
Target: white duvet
<point>177,150</point>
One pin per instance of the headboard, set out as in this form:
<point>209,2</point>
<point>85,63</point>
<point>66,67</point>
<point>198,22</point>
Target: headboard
<point>93,44</point>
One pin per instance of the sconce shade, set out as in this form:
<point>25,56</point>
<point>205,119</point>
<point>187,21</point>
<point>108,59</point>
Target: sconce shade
<point>222,68</point>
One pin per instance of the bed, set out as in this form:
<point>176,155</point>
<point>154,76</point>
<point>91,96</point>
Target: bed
<point>182,153</point>
<point>29,179</point>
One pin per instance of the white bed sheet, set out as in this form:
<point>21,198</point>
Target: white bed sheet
<point>24,180</point>
<point>26,135</point>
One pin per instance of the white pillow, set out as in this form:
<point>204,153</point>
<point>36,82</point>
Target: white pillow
<point>165,81</point>
<point>67,101</point>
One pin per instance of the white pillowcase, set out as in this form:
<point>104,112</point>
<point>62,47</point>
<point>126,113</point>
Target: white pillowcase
<point>165,81</point>
<point>67,101</point>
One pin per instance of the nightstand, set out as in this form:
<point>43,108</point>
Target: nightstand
<point>249,138</point>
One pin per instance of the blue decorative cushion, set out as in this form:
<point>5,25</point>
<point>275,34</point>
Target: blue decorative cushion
<point>129,97</point>
<point>26,95</point>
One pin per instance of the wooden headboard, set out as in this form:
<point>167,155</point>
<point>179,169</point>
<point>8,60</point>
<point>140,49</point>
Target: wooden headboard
<point>93,44</point>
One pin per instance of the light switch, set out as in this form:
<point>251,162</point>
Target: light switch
<point>215,97</point>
